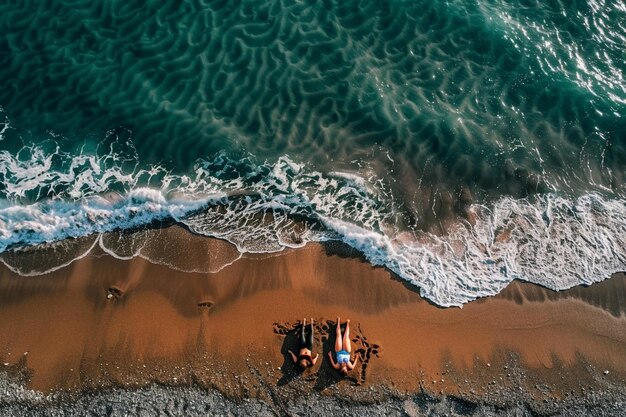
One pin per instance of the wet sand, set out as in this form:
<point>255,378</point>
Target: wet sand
<point>102,322</point>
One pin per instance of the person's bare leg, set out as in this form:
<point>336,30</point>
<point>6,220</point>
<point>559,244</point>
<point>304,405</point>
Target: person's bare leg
<point>346,338</point>
<point>338,342</point>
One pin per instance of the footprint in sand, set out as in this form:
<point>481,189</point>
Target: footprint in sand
<point>114,293</point>
<point>205,305</point>
<point>376,350</point>
<point>280,328</point>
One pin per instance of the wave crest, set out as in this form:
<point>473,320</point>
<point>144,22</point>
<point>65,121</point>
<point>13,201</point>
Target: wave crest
<point>551,240</point>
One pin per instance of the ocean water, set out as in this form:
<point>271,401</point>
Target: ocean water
<point>461,144</point>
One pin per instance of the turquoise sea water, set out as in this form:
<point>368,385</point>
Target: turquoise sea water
<point>462,144</point>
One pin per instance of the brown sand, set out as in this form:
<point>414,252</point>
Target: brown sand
<point>102,320</point>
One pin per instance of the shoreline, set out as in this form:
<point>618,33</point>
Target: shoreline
<point>103,324</point>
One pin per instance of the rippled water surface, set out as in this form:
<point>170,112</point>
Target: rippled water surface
<point>462,144</point>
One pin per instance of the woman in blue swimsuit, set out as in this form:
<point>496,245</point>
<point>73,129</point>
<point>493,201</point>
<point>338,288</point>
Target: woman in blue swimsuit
<point>342,350</point>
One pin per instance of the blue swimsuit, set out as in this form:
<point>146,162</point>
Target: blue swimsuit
<point>343,357</point>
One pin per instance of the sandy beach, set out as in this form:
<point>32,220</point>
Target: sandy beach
<point>184,183</point>
<point>103,322</point>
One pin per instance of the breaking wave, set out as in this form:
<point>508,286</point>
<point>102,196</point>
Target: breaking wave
<point>263,207</point>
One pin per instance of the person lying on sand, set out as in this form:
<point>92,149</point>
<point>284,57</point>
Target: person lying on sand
<point>305,343</point>
<point>342,350</point>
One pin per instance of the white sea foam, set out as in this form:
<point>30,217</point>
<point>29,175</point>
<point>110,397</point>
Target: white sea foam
<point>257,217</point>
<point>52,220</point>
<point>550,240</point>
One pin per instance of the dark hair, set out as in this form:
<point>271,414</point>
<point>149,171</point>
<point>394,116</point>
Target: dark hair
<point>304,363</point>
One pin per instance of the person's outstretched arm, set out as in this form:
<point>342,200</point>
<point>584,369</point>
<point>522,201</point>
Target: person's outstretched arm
<point>293,356</point>
<point>315,358</point>
<point>332,361</point>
